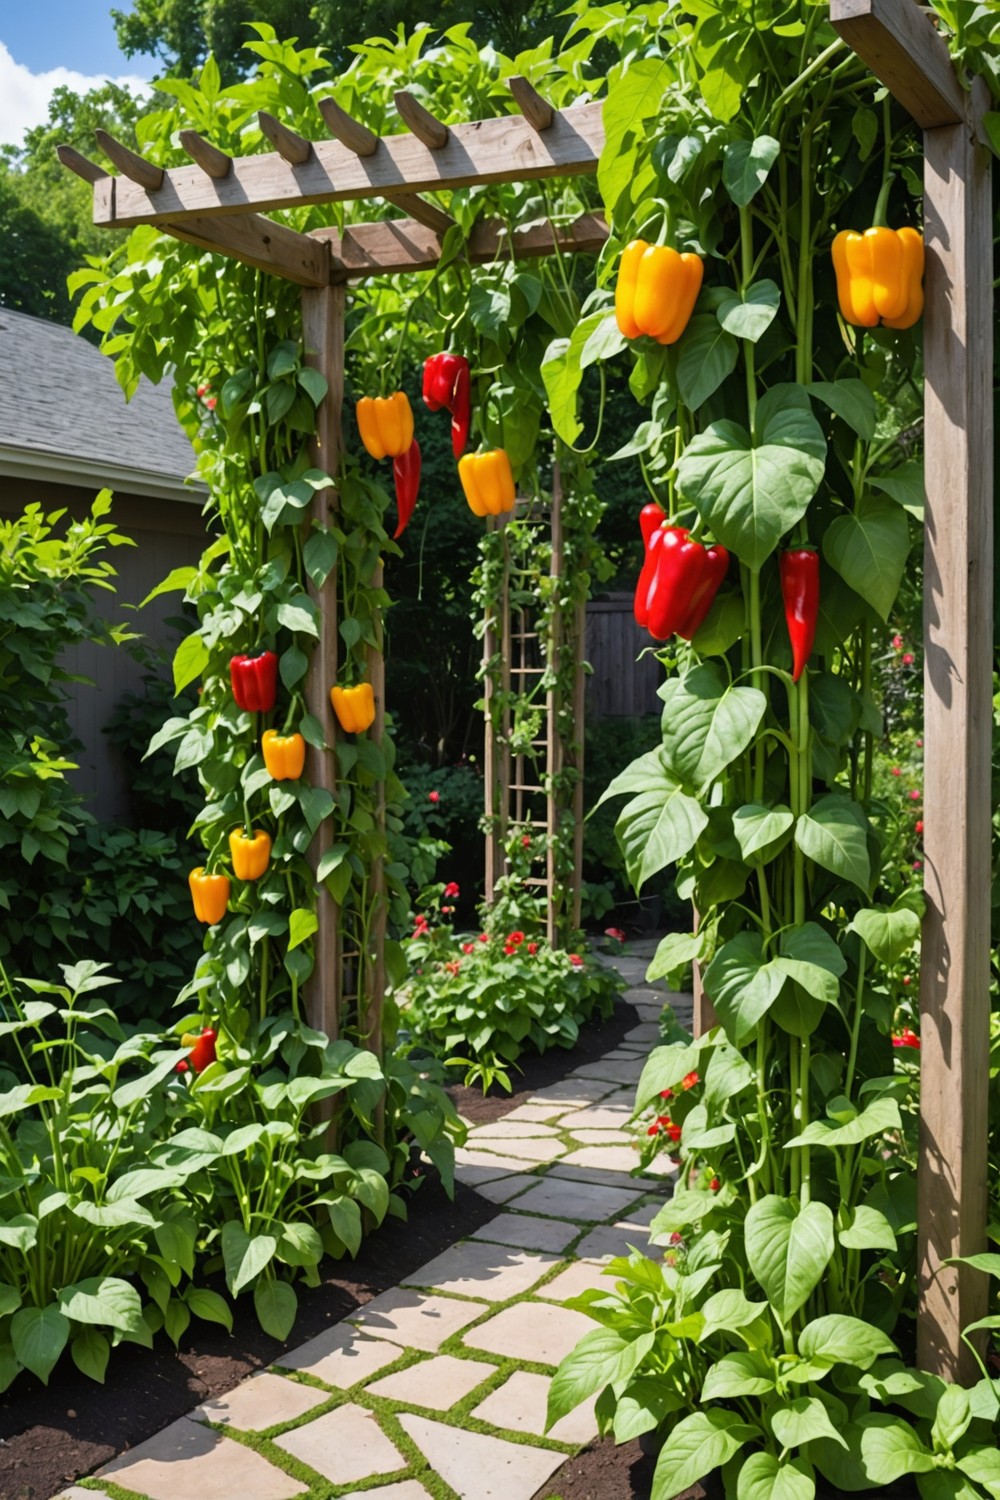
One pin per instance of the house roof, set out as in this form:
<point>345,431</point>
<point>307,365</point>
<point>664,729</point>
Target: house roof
<point>64,417</point>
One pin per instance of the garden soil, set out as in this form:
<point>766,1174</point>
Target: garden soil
<point>51,1436</point>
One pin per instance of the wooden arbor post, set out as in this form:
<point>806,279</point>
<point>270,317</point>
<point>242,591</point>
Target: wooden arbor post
<point>900,45</point>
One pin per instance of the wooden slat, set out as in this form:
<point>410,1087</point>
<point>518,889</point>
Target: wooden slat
<point>290,146</point>
<point>261,242</point>
<point>323,335</point>
<point>351,132</point>
<point>897,40</point>
<point>80,164</point>
<point>420,121</point>
<point>506,149</point>
<point>216,163</point>
<point>958,637</point>
<point>579,725</point>
<point>555,750</point>
<point>537,111</point>
<point>139,171</point>
<point>427,214</point>
<point>373,999</point>
<point>398,245</point>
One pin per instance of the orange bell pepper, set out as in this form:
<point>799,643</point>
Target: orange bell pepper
<point>385,424</point>
<point>354,707</point>
<point>656,291</point>
<point>488,482</point>
<point>284,754</point>
<point>209,895</point>
<point>879,276</point>
<point>251,852</point>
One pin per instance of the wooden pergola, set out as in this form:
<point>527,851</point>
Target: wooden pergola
<point>220,203</point>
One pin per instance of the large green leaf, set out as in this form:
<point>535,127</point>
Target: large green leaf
<point>868,547</point>
<point>658,828</point>
<point>752,494</point>
<point>745,1373</point>
<point>763,1477</point>
<point>852,401</point>
<point>890,1449</point>
<point>788,1248</point>
<point>745,165</point>
<point>880,1117</point>
<point>743,986</point>
<point>812,959</point>
<point>635,95</point>
<point>801,1420</point>
<point>843,1340</point>
<point>244,1257</point>
<point>834,833</point>
<point>39,1336</point>
<point>762,832</point>
<point>700,1443</point>
<point>706,357</point>
<point>888,934</point>
<point>90,1351</point>
<point>600,1358</point>
<point>562,372</point>
<point>707,723</point>
<point>103,1300</point>
<point>749,316</point>
<point>276,1304</point>
<point>905,485</point>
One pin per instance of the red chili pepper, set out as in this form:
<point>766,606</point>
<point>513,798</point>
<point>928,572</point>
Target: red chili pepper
<point>202,1049</point>
<point>461,409</point>
<point>679,580</point>
<point>448,384</point>
<point>255,681</point>
<point>406,473</point>
<point>799,572</point>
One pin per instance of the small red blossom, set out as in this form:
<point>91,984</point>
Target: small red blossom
<point>653,1129</point>
<point>908,659</point>
<point>181,1067</point>
<point>907,979</point>
<point>576,960</point>
<point>451,889</point>
<point>667,1124</point>
<point>453,965</point>
<point>920,744</point>
<point>906,1038</point>
<point>483,937</point>
<point>526,841</point>
<point>212,403</point>
<point>918,826</point>
<point>532,949</point>
<point>515,938</point>
<point>895,771</point>
<point>714,1185</point>
<point>666,1093</point>
<point>468,947</point>
<point>676,1238</point>
<point>913,794</point>
<point>897,641</point>
<point>690,1080</point>
<point>204,388</point>
<point>616,933</point>
<point>918,864</point>
<point>434,796</point>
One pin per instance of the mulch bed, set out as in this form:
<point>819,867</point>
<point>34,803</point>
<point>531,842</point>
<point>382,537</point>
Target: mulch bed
<point>51,1436</point>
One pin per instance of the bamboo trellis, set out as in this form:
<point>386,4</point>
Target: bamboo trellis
<point>220,203</point>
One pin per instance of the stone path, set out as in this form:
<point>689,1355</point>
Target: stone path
<point>437,1389</point>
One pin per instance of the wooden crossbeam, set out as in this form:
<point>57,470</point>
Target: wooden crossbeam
<point>216,163</point>
<point>900,45</point>
<point>420,120</point>
<point>505,149</point>
<point>537,111</point>
<point>140,171</point>
<point>425,213</point>
<point>364,142</point>
<point>262,243</point>
<point>290,146</point>
<point>82,165</point>
<point>397,245</point>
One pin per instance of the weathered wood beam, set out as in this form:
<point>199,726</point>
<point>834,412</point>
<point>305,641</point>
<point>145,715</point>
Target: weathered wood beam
<point>427,214</point>
<point>364,142</point>
<point>140,171</point>
<point>505,149</point>
<point>396,245</point>
<point>898,41</point>
<point>216,163</point>
<point>420,121</point>
<point>537,111</point>
<point>260,242</point>
<point>290,146</point>
<point>82,165</point>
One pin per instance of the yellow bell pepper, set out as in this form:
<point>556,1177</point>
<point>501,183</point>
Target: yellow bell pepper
<point>385,424</point>
<point>251,853</point>
<point>354,707</point>
<point>488,482</point>
<point>284,754</point>
<point>880,276</point>
<point>209,895</point>
<point>656,291</point>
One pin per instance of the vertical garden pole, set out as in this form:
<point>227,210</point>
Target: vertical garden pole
<point>899,43</point>
<point>323,336</point>
<point>554,748</point>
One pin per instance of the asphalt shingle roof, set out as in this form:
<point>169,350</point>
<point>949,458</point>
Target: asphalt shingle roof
<point>61,406</point>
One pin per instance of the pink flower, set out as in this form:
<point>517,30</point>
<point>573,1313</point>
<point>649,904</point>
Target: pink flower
<point>676,1238</point>
<point>484,937</point>
<point>914,795</point>
<point>897,641</point>
<point>526,841</point>
<point>908,659</point>
<point>468,947</point>
<point>532,949</point>
<point>576,960</point>
<point>918,864</point>
<point>895,771</point>
<point>616,933</point>
<point>451,889</point>
<point>918,826</point>
<point>434,796</point>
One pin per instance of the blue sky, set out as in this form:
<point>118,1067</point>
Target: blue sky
<point>44,43</point>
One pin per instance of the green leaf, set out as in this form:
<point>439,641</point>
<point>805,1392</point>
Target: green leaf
<point>293,665</point>
<point>345,1216</point>
<point>320,555</point>
<point>706,357</point>
<point>674,952</point>
<point>209,1306</point>
<point>604,342</point>
<point>244,1257</point>
<point>700,1443</point>
<point>762,832</point>
<point>742,985</point>
<point>707,723</point>
<point>745,1373</point>
<point>868,547</point>
<point>562,372</point>
<point>834,833</point>
<point>90,1351</point>
<point>752,494</point>
<point>851,400</point>
<point>891,1449</point>
<point>788,1249</point>
<point>313,383</point>
<point>749,316</point>
<point>905,485</point>
<point>879,1117</point>
<point>843,1340</point>
<point>764,1477</point>
<point>301,926</point>
<point>868,1230</point>
<point>983,1465</point>
<point>661,824</point>
<point>300,1245</point>
<point>190,660</point>
<point>602,1357</point>
<point>729,1311</point>
<point>103,1300</point>
<point>745,165</point>
<point>952,1419</point>
<point>888,934</point>
<point>299,614</point>
<point>802,1420</point>
<point>39,1336</point>
<point>276,1306</point>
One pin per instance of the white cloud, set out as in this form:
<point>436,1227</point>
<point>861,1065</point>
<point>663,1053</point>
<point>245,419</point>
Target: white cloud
<point>24,96</point>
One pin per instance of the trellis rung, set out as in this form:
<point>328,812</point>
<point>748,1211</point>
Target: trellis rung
<point>420,122</point>
<point>291,146</point>
<point>537,111</point>
<point>80,164</point>
<point>142,172</point>
<point>349,131</point>
<point>216,163</point>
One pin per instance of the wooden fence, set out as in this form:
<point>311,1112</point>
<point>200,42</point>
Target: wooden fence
<point>623,683</point>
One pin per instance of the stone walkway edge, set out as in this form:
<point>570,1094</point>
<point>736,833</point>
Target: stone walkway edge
<point>437,1389</point>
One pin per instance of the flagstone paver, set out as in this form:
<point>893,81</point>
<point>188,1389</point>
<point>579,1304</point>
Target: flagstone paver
<point>538,1331</point>
<point>483,1270</point>
<point>520,1404</point>
<point>479,1467</point>
<point>437,1382</point>
<point>345,1445</point>
<point>528,1232</point>
<point>607,1242</point>
<point>416,1319</point>
<point>599,1177</point>
<point>466,1158</point>
<point>580,1276</point>
<point>502,1189</point>
<point>262,1401</point>
<point>572,1090</point>
<point>508,1128</point>
<point>605,1158</point>
<point>601,1117</point>
<point>408,1490</point>
<point>626,1071</point>
<point>534,1112</point>
<point>341,1356</point>
<point>531,1149</point>
<point>192,1461</point>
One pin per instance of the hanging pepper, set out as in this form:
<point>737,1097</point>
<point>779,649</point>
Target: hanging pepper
<point>880,276</point>
<point>255,681</point>
<point>448,383</point>
<point>406,473</point>
<point>678,582</point>
<point>799,571</point>
<point>284,754</point>
<point>354,707</point>
<point>488,482</point>
<point>251,852</point>
<point>385,424</point>
<point>209,895</point>
<point>461,409</point>
<point>656,291</point>
<point>202,1052</point>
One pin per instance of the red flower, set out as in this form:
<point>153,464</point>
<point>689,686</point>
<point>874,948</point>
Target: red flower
<point>918,826</point>
<point>576,960</point>
<point>676,1238</point>
<point>895,771</point>
<point>204,388</point>
<point>666,1093</point>
<point>714,1185</point>
<point>897,641</point>
<point>906,1038</point>
<point>908,659</point>
<point>673,1131</point>
<point>914,795</point>
<point>484,937</point>
<point>907,979</point>
<point>526,841</point>
<point>211,403</point>
<point>509,948</point>
<point>515,939</point>
<point>453,965</point>
<point>532,949</point>
<point>451,889</point>
<point>653,1129</point>
<point>616,933</point>
<point>918,864</point>
<point>468,947</point>
<point>690,1081</point>
<point>434,796</point>
<point>920,744</point>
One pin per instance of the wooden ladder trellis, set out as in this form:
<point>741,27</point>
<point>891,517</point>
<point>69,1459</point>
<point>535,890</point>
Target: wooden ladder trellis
<point>220,204</point>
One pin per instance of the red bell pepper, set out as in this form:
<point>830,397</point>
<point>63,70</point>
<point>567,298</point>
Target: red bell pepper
<point>406,473</point>
<point>461,409</point>
<point>448,384</point>
<point>679,580</point>
<point>255,681</point>
<point>799,570</point>
<point>202,1049</point>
